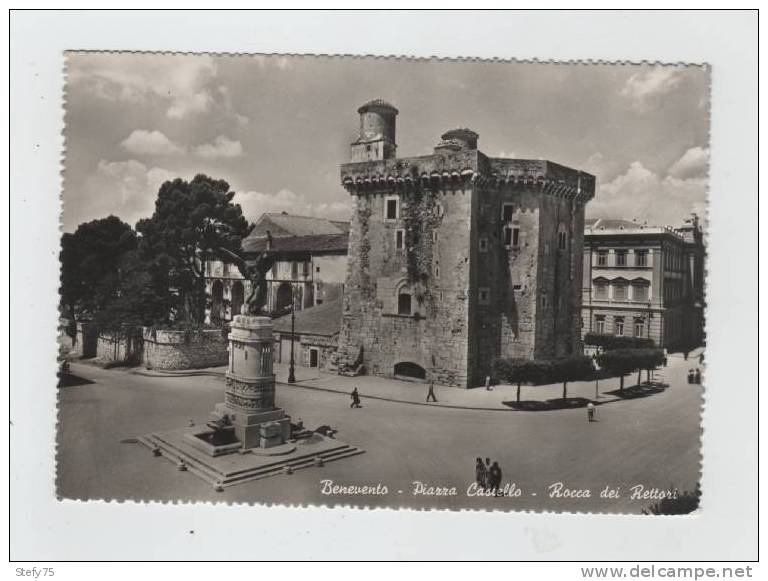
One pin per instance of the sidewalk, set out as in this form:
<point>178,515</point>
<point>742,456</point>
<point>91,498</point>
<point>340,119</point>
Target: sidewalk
<point>393,390</point>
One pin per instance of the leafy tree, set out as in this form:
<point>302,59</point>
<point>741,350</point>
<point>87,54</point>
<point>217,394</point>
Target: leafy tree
<point>567,369</point>
<point>521,371</point>
<point>192,220</point>
<point>620,362</point>
<point>89,263</point>
<point>610,342</point>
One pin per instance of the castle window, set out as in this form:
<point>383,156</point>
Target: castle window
<point>404,303</point>
<point>507,211</point>
<point>602,258</point>
<point>517,287</point>
<point>515,237</point>
<point>484,296</point>
<point>562,237</point>
<point>639,326</point>
<point>621,258</point>
<point>507,236</point>
<point>437,271</point>
<point>294,270</point>
<point>544,299</point>
<point>618,326</point>
<point>391,208</point>
<point>440,209</point>
<point>399,239</point>
<point>435,236</point>
<point>483,244</point>
<point>620,292</point>
<point>317,269</point>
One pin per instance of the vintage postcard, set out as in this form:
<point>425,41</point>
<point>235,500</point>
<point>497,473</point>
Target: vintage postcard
<point>383,282</point>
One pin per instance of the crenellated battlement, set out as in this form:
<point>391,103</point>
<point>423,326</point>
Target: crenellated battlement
<point>464,168</point>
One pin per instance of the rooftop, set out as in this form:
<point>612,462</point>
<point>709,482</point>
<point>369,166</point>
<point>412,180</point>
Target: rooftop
<point>322,319</point>
<point>313,243</point>
<point>377,104</point>
<point>284,224</point>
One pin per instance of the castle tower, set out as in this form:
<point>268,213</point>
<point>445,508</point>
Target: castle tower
<point>376,140</point>
<point>457,258</point>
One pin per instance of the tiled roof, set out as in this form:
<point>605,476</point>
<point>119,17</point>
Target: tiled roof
<point>280,224</point>
<point>322,319</point>
<point>306,244</point>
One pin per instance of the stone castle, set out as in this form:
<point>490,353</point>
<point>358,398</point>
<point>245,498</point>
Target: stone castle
<point>456,258</point>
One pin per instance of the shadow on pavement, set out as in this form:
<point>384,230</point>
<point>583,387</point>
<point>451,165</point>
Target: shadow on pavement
<point>636,391</point>
<point>70,380</point>
<point>548,405</point>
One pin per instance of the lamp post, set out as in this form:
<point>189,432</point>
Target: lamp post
<point>291,370</point>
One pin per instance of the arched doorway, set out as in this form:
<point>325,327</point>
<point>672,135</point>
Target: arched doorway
<point>284,297</point>
<point>237,298</point>
<point>410,371</point>
<point>217,302</point>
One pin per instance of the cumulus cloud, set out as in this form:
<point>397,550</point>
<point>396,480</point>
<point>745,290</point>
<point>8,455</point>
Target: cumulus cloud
<point>145,142</point>
<point>692,164</point>
<point>181,82</point>
<point>126,189</point>
<point>644,88</point>
<point>628,196</point>
<point>254,204</point>
<point>222,146</point>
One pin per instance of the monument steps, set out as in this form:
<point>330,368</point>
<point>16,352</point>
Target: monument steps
<point>272,466</point>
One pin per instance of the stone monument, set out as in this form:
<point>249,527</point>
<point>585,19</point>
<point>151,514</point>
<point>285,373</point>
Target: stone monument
<point>247,437</point>
<point>249,410</point>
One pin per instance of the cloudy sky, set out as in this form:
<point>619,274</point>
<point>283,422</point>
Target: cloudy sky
<point>277,128</point>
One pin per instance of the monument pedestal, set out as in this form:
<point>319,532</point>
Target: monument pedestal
<point>248,437</point>
<point>248,410</point>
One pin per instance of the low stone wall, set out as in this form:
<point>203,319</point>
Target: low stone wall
<point>164,349</point>
<point>86,340</point>
<point>111,349</point>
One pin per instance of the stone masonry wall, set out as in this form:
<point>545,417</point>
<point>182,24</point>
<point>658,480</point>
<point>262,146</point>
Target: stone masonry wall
<point>184,350</point>
<point>164,349</point>
<point>435,339</point>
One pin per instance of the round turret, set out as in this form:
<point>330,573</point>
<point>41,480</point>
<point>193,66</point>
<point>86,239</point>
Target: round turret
<point>377,121</point>
<point>461,137</point>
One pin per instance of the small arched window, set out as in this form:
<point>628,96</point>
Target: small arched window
<point>562,237</point>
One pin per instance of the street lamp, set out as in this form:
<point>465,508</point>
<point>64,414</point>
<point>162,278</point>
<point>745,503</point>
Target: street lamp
<point>291,370</point>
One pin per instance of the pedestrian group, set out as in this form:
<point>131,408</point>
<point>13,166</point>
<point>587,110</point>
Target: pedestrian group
<point>488,475</point>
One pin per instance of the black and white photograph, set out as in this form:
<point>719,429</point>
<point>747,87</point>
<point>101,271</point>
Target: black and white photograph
<point>383,282</point>
<point>435,287</point>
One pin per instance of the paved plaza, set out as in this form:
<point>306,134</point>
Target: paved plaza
<point>651,441</point>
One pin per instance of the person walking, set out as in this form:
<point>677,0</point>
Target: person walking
<point>487,383</point>
<point>590,412</point>
<point>487,478</point>
<point>691,376</point>
<point>495,478</point>
<point>355,399</point>
<point>431,392</point>
<point>480,473</point>
<point>697,377</point>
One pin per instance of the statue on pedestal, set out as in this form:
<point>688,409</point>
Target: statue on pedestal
<point>256,272</point>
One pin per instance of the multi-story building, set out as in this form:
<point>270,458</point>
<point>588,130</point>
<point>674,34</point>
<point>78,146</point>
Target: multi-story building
<point>642,281</point>
<point>457,258</point>
<point>312,269</point>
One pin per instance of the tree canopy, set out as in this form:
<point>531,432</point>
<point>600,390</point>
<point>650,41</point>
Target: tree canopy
<point>610,342</point>
<point>191,221</point>
<point>620,362</point>
<point>89,263</point>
